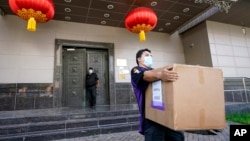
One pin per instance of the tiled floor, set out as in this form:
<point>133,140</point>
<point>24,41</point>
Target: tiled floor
<point>222,135</point>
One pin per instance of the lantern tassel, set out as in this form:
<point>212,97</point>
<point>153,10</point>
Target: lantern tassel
<point>142,35</point>
<point>31,24</point>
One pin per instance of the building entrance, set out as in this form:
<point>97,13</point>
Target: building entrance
<point>75,64</point>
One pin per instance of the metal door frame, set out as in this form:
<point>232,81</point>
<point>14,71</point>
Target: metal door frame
<point>57,83</point>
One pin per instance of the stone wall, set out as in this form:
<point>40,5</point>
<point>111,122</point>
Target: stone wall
<point>39,96</point>
<point>25,96</point>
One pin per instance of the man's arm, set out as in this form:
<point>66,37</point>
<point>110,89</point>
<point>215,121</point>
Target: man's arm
<point>98,83</point>
<point>165,74</point>
<point>152,75</point>
<point>97,80</point>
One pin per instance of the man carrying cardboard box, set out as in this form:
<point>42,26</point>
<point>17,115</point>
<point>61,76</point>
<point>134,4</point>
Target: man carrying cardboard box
<point>141,76</point>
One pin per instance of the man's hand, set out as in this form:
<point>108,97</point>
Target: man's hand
<point>98,83</point>
<point>168,74</point>
<point>164,74</point>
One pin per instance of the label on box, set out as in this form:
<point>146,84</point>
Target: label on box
<point>157,99</point>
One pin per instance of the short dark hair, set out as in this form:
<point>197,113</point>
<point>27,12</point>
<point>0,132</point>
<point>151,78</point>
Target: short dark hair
<point>139,53</point>
<point>90,68</point>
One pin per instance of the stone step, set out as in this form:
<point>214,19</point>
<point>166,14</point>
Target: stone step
<point>10,120</point>
<point>23,120</point>
<point>66,124</point>
<point>71,132</point>
<point>48,124</point>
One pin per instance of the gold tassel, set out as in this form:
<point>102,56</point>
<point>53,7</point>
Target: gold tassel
<point>31,24</point>
<point>142,35</point>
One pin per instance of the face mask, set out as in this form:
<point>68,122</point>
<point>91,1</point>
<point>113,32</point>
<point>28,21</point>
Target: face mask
<point>148,61</point>
<point>90,71</point>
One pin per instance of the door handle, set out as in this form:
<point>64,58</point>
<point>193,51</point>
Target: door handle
<point>74,69</point>
<point>75,58</point>
<point>73,92</point>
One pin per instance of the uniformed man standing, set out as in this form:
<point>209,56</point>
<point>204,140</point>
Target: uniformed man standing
<point>92,82</point>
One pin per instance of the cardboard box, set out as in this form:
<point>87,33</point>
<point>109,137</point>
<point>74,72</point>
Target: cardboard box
<point>194,102</point>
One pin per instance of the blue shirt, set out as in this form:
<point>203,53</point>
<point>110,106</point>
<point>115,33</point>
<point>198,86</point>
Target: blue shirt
<point>139,86</point>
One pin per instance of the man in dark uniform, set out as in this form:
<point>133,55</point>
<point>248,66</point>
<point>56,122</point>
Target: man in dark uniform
<point>92,82</point>
<point>141,76</point>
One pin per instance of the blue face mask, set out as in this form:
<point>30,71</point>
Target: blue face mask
<point>148,61</point>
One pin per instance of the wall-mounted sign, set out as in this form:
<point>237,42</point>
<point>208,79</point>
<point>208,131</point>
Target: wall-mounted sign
<point>121,62</point>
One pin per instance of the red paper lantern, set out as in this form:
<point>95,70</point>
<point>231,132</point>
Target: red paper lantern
<point>141,20</point>
<point>39,11</point>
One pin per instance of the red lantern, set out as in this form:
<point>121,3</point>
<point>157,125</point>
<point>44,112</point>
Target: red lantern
<point>39,11</point>
<point>141,20</point>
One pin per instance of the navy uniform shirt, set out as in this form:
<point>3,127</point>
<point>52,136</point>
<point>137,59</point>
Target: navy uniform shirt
<point>91,79</point>
<point>139,87</point>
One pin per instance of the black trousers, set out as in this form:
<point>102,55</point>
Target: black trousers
<point>157,132</point>
<point>91,95</point>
